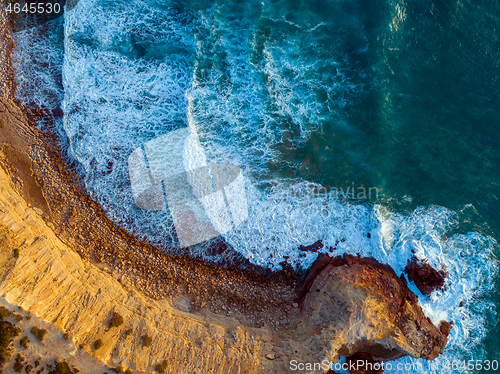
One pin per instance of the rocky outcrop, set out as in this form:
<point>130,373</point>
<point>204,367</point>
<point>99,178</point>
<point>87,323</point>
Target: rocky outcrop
<point>74,269</point>
<point>315,247</point>
<point>384,318</point>
<point>425,277</point>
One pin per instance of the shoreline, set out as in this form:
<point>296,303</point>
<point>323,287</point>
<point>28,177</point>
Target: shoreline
<point>259,319</point>
<point>81,223</point>
<point>271,310</point>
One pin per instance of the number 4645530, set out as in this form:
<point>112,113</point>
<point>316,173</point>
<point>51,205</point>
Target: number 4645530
<point>34,8</point>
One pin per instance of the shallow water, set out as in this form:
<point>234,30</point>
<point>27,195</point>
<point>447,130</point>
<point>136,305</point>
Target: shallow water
<point>392,101</point>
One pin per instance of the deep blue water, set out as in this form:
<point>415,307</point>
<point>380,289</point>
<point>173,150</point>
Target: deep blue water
<point>395,102</point>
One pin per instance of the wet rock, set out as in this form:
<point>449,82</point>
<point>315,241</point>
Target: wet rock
<point>315,247</point>
<point>445,328</point>
<point>57,112</point>
<point>425,277</point>
<point>390,323</point>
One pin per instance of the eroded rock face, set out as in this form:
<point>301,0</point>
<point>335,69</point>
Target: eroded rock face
<point>347,305</point>
<point>426,278</point>
<point>383,316</point>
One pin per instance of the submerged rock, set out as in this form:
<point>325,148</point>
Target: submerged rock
<point>315,247</point>
<point>425,277</point>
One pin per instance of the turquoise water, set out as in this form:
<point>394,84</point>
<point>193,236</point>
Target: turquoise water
<point>399,98</point>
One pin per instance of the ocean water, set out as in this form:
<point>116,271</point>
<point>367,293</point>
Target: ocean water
<point>369,125</point>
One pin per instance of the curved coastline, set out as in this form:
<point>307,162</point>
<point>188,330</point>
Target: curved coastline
<point>75,268</point>
<point>255,320</point>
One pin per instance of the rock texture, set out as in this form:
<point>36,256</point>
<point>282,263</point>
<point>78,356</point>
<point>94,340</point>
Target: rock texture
<point>425,277</point>
<point>6,47</point>
<point>52,282</point>
<point>383,316</point>
<point>73,268</point>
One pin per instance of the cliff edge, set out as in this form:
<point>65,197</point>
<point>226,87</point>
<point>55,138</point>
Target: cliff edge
<point>66,263</point>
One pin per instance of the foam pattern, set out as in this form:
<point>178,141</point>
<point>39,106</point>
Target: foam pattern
<point>245,75</point>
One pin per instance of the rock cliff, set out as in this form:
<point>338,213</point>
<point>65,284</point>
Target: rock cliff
<point>62,260</point>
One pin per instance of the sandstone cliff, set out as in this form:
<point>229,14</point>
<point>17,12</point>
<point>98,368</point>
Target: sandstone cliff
<point>74,269</point>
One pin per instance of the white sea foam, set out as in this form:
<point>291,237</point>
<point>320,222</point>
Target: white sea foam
<point>119,95</point>
<point>38,62</point>
<point>278,223</point>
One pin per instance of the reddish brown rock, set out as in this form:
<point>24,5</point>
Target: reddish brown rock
<point>425,277</point>
<point>445,328</point>
<point>315,247</point>
<point>383,314</point>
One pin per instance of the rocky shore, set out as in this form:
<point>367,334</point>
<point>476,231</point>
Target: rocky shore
<point>67,264</point>
<point>108,301</point>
